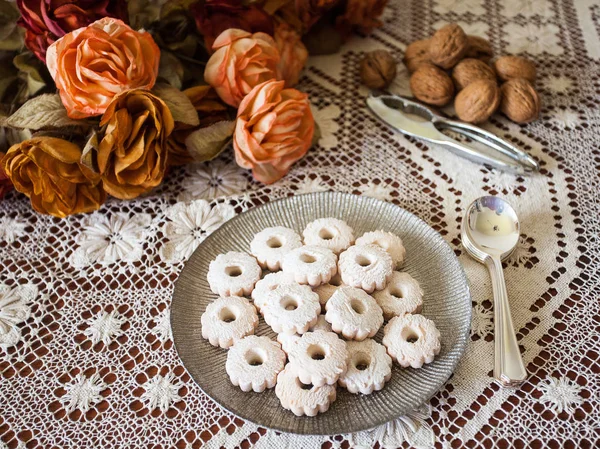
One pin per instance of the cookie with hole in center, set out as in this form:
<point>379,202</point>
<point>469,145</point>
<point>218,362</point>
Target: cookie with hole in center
<point>312,265</point>
<point>412,340</point>
<point>331,233</point>
<point>291,309</point>
<point>228,319</point>
<point>300,398</point>
<point>369,367</point>
<point>270,245</point>
<point>233,274</point>
<point>353,313</point>
<point>366,266</point>
<point>402,295</point>
<point>253,363</point>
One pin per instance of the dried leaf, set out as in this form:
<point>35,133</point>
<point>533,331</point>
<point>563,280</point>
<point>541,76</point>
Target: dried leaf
<point>179,104</point>
<point>29,67</point>
<point>171,69</point>
<point>207,143</point>
<point>11,35</point>
<point>89,151</point>
<point>43,111</point>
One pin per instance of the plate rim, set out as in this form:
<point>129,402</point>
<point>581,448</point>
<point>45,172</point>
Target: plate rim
<point>462,339</point>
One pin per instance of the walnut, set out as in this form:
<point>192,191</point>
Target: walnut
<point>478,101</point>
<point>509,67</point>
<point>448,46</point>
<point>479,48</point>
<point>469,70</point>
<point>378,69</point>
<point>432,85</point>
<point>416,54</point>
<point>520,101</point>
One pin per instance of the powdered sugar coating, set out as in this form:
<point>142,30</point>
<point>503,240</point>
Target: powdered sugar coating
<point>253,363</point>
<point>369,367</point>
<point>302,401</point>
<point>265,287</point>
<point>353,313</point>
<point>331,233</point>
<point>291,309</point>
<point>399,333</point>
<point>233,274</point>
<point>312,265</point>
<point>228,319</point>
<point>271,244</point>
<point>387,241</point>
<point>366,266</point>
<point>402,295</point>
<point>287,340</point>
<point>319,358</point>
<point>326,290</point>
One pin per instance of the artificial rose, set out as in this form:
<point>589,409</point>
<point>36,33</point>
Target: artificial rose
<point>210,110</point>
<point>292,52</point>
<point>274,129</point>
<point>240,62</point>
<point>5,183</point>
<point>45,21</point>
<point>91,65</point>
<point>132,155</point>
<point>49,172</point>
<point>360,15</point>
<point>215,16</point>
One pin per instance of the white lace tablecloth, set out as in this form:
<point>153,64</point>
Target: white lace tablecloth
<point>86,355</point>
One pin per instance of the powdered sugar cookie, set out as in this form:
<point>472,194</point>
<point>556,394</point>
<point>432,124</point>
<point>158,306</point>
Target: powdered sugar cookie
<point>227,319</point>
<point>291,309</point>
<point>388,242</point>
<point>326,290</point>
<point>412,340</point>
<point>253,363</point>
<point>233,274</point>
<point>302,399</point>
<point>271,244</point>
<point>330,233</point>
<point>266,285</point>
<point>313,265</point>
<point>353,313</point>
<point>319,358</point>
<point>287,340</point>
<point>402,295</point>
<point>369,367</point>
<point>366,266</point>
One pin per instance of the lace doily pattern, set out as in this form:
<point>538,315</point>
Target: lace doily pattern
<point>86,353</point>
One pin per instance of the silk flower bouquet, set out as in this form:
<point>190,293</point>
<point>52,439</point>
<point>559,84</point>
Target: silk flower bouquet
<point>102,97</point>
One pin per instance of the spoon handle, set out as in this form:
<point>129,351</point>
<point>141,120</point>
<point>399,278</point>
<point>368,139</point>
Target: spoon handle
<point>508,367</point>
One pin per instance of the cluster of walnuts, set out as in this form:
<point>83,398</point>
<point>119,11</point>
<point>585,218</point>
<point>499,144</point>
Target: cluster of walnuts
<point>451,61</point>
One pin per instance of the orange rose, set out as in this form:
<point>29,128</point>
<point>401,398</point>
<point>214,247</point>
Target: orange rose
<point>48,171</point>
<point>274,129</point>
<point>240,62</point>
<point>293,54</point>
<point>93,64</point>
<point>132,155</point>
<point>360,15</point>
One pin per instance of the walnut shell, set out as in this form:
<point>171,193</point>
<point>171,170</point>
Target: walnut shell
<point>478,101</point>
<point>520,101</point>
<point>469,70</point>
<point>448,46</point>
<point>479,48</point>
<point>509,67</point>
<point>378,69</point>
<point>416,54</point>
<point>432,85</point>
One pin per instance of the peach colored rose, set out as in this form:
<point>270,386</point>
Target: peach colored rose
<point>93,64</point>
<point>360,15</point>
<point>293,54</point>
<point>240,62</point>
<point>274,129</point>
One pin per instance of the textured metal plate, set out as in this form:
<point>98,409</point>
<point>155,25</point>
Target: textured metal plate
<point>429,259</point>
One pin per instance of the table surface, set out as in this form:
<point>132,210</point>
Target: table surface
<point>86,354</point>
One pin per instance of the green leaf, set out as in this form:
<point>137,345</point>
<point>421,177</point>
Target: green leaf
<point>207,143</point>
<point>42,112</point>
<point>29,71</point>
<point>179,104</point>
<point>171,69</point>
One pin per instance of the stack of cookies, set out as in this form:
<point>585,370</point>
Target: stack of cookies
<point>326,295</point>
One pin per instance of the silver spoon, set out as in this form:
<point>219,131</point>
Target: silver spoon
<point>490,232</point>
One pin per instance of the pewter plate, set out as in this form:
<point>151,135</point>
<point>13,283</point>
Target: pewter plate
<point>429,259</point>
